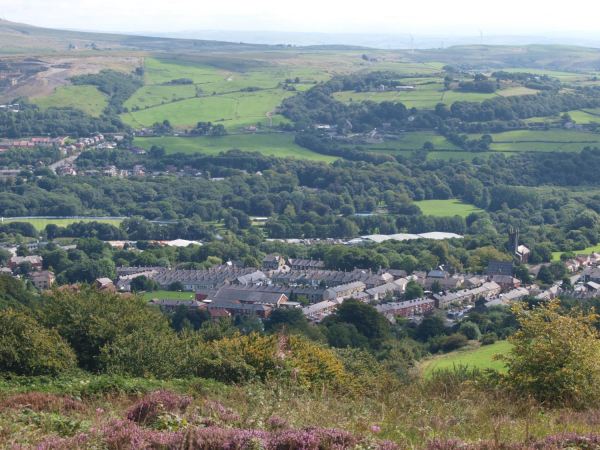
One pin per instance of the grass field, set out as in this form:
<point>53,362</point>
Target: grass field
<point>585,251</point>
<point>40,224</point>
<point>159,71</point>
<point>579,116</point>
<point>517,90</point>
<point>472,356</point>
<point>234,111</point>
<point>410,141</point>
<point>148,96</point>
<point>277,144</point>
<point>87,98</point>
<point>542,141</point>
<point>446,208</point>
<point>168,294</point>
<point>550,73</point>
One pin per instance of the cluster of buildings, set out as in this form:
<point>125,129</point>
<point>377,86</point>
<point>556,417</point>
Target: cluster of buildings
<point>231,289</point>
<point>34,142</point>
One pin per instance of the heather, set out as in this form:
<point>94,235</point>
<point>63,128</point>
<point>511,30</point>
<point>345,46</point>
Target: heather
<point>450,409</point>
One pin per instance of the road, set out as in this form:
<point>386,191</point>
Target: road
<point>63,162</point>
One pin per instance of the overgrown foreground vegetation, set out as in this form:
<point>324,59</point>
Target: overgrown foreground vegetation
<point>91,369</point>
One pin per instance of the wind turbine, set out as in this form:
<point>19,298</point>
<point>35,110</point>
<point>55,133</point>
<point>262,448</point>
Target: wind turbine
<point>481,37</point>
<point>412,43</point>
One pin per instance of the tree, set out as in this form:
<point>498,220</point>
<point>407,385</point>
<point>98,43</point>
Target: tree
<point>555,355</point>
<point>27,348</point>
<point>454,342</point>
<point>558,269</point>
<point>365,318</point>
<point>436,287</point>
<point>344,335</point>
<point>430,327</point>
<point>176,286</point>
<point>91,319</point>
<point>413,290</point>
<point>545,275</point>
<point>280,317</point>
<point>218,130</point>
<point>470,330</point>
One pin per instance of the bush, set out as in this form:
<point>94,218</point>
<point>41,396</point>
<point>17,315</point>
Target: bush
<point>155,404</point>
<point>27,348</point>
<point>470,330</point>
<point>556,356</point>
<point>489,339</point>
<point>454,342</point>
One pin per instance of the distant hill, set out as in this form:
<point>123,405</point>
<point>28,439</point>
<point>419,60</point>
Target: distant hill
<point>18,38</point>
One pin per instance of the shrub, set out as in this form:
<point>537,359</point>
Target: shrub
<point>555,357</point>
<point>454,342</point>
<point>155,404</point>
<point>38,401</point>
<point>470,330</point>
<point>27,348</point>
<point>287,359</point>
<point>92,319</point>
<point>489,338</point>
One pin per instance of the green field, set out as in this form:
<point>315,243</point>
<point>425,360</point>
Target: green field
<point>585,251</point>
<point>159,71</point>
<point>550,73</point>
<point>87,98</point>
<point>471,357</point>
<point>234,111</point>
<point>579,116</point>
<point>40,224</point>
<point>446,208</point>
<point>542,141</point>
<point>277,144</point>
<point>168,294</point>
<point>467,156</point>
<point>517,90</point>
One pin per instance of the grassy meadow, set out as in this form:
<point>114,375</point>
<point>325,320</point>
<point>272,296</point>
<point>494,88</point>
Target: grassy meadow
<point>277,144</point>
<point>585,251</point>
<point>40,224</point>
<point>87,98</point>
<point>168,294</point>
<point>446,208</point>
<point>542,141</point>
<point>234,111</point>
<point>471,356</point>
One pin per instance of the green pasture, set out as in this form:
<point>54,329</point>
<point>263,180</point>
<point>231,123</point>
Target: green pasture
<point>446,208</point>
<point>406,142</point>
<point>40,224</point>
<point>87,98</point>
<point>583,117</point>
<point>234,111</point>
<point>472,357</point>
<point>168,294</point>
<point>550,73</point>
<point>579,116</point>
<point>467,156</point>
<point>585,251</point>
<point>148,96</point>
<point>159,71</point>
<point>281,145</point>
<point>517,90</point>
<point>543,141</point>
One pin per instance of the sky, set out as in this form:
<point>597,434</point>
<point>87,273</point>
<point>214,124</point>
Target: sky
<point>463,17</point>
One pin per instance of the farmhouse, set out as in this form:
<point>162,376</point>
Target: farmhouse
<point>43,280</point>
